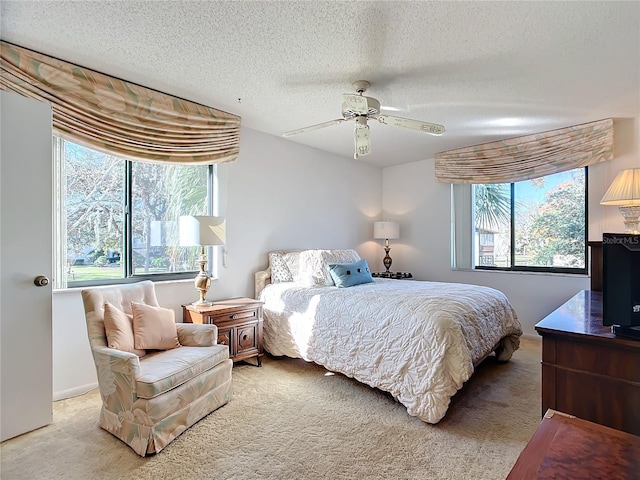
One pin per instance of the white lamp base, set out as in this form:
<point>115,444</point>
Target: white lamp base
<point>631,216</point>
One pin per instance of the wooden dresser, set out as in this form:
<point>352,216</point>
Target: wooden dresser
<point>567,447</point>
<point>587,371</point>
<point>239,322</point>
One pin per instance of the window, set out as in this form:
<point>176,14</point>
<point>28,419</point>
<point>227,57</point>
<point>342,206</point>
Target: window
<point>533,225</point>
<point>117,220</point>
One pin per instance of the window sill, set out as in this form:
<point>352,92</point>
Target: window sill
<point>520,272</point>
<point>159,282</point>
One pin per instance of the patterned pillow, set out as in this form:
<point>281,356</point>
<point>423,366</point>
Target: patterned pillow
<point>279,270</point>
<point>284,266</point>
<point>314,266</point>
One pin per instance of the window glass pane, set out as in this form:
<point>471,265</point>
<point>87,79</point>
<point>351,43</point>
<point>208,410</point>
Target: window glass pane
<point>160,195</point>
<point>492,220</point>
<point>550,221</point>
<point>93,214</point>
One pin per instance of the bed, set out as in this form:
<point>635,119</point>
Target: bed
<point>419,341</point>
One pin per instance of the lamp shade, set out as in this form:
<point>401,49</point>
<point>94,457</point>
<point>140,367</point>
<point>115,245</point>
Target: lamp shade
<point>202,230</point>
<point>625,189</point>
<point>386,230</point>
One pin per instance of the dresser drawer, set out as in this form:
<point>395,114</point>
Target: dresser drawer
<point>235,317</point>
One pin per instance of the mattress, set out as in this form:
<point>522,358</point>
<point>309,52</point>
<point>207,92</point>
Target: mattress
<point>417,340</point>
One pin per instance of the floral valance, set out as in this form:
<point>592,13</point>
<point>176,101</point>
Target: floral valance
<point>118,117</point>
<point>531,156</point>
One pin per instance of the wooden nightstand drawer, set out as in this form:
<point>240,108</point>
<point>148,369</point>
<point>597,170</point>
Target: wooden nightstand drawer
<point>247,339</point>
<point>239,323</point>
<point>235,316</point>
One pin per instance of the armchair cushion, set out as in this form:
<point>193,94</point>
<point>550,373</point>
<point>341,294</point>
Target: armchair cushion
<point>163,371</point>
<point>197,334</point>
<point>119,329</point>
<point>154,328</point>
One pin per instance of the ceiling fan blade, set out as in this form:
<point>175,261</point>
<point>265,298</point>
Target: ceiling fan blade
<point>363,141</point>
<point>357,104</point>
<point>432,128</point>
<point>313,127</point>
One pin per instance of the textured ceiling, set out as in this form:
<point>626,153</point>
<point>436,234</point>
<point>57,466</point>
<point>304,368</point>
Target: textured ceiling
<point>484,70</point>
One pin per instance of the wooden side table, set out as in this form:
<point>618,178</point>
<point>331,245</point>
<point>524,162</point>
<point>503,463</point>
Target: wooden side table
<point>239,322</point>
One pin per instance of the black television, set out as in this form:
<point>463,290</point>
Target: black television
<point>621,282</point>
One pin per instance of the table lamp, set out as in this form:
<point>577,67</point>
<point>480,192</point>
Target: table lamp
<point>202,231</point>
<point>625,193</point>
<point>386,231</point>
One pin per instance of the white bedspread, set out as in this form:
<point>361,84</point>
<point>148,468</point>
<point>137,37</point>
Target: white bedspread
<point>417,340</point>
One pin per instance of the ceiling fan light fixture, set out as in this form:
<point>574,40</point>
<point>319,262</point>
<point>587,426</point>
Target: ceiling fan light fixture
<point>361,121</point>
<point>359,108</point>
<point>363,141</point>
<point>355,105</point>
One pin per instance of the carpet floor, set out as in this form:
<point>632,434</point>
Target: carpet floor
<point>294,420</point>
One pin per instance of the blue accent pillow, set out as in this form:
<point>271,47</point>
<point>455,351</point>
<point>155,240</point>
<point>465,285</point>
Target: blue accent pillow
<point>350,274</point>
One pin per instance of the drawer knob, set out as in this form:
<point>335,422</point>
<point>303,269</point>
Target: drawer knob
<point>245,337</point>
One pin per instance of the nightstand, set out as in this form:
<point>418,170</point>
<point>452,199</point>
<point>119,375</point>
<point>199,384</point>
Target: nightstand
<point>395,275</point>
<point>239,322</point>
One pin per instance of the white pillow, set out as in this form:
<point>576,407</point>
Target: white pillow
<point>292,259</point>
<point>313,269</point>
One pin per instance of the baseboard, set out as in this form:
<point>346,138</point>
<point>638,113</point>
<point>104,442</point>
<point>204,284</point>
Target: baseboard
<point>74,392</point>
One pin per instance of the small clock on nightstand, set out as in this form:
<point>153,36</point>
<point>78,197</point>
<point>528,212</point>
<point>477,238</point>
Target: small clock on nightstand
<point>395,275</point>
<point>239,322</point>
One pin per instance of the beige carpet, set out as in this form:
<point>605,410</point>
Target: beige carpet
<point>294,420</point>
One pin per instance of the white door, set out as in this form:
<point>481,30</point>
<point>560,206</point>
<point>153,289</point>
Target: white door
<point>26,360</point>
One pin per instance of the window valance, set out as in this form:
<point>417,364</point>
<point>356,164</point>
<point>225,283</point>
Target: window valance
<point>118,117</point>
<point>527,157</point>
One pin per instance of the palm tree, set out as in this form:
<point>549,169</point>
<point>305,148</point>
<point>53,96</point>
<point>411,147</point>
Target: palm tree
<point>187,185</point>
<point>492,205</point>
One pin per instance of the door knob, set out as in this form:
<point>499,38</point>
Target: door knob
<point>41,281</point>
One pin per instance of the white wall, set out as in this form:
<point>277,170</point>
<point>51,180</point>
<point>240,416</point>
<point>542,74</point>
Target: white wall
<point>422,206</point>
<point>285,195</point>
<point>280,195</point>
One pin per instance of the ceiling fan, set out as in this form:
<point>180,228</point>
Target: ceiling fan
<point>361,109</point>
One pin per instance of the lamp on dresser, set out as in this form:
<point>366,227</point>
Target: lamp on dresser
<point>624,193</point>
<point>202,231</point>
<point>386,230</point>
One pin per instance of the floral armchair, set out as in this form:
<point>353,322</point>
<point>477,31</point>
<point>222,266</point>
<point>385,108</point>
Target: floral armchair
<point>148,401</point>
